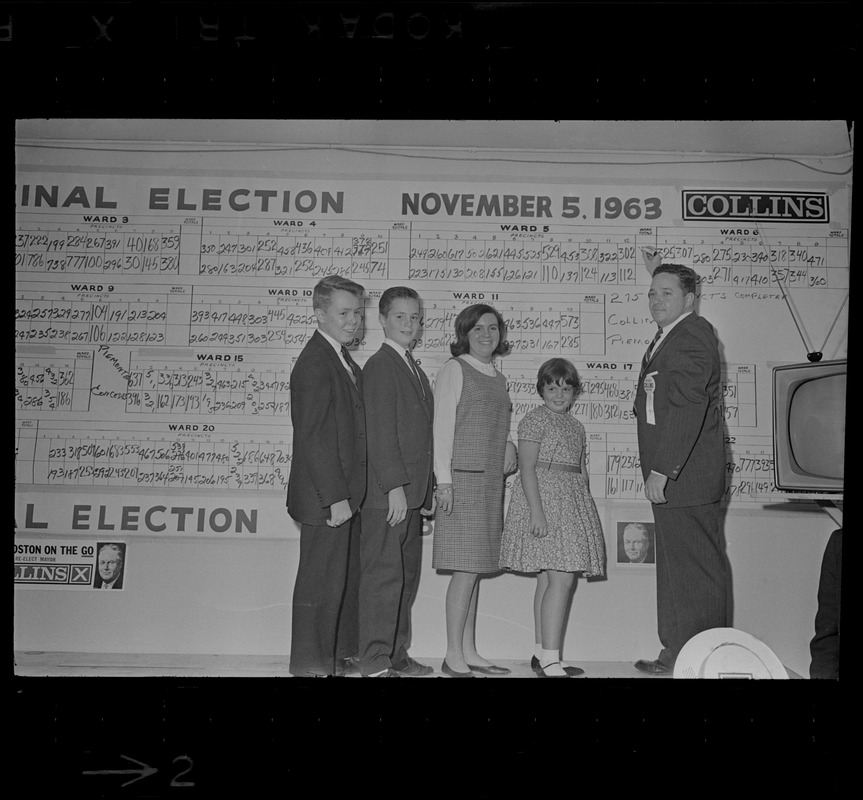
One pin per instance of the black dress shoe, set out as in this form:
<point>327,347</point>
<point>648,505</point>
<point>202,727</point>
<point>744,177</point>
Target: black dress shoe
<point>389,673</point>
<point>446,669</point>
<point>347,666</point>
<point>571,671</point>
<point>413,669</point>
<point>652,667</point>
<point>491,669</point>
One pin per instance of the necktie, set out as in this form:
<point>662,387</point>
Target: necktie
<point>350,362</point>
<point>412,364</point>
<point>650,349</point>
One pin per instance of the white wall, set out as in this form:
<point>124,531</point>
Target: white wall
<point>234,597</point>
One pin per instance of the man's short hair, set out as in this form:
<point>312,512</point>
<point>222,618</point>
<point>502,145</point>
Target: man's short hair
<point>115,547</point>
<point>641,528</point>
<point>687,276</point>
<point>395,293</point>
<point>322,295</point>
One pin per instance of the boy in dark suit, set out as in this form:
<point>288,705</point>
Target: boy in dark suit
<point>399,417</point>
<point>681,445</point>
<point>327,484</point>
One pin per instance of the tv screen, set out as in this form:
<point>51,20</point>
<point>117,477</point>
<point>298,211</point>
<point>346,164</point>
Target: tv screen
<point>809,426</point>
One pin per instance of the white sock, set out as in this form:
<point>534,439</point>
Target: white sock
<point>537,652</point>
<point>376,674</point>
<point>550,662</point>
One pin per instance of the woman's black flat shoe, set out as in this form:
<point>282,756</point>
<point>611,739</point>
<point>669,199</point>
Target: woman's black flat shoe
<point>446,669</point>
<point>491,669</point>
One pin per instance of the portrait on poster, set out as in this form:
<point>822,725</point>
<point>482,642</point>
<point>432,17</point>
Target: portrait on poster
<point>69,564</point>
<point>636,544</point>
<point>110,565</point>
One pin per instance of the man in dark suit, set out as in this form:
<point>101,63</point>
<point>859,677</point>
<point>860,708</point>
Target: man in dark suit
<point>399,417</point>
<point>681,445</point>
<point>824,647</point>
<point>327,484</point>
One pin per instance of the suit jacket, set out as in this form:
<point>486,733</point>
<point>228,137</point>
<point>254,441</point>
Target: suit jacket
<point>686,443</point>
<point>399,424</point>
<point>100,584</point>
<point>329,452</point>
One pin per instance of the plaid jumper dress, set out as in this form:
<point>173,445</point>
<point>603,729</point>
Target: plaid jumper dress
<point>468,539</point>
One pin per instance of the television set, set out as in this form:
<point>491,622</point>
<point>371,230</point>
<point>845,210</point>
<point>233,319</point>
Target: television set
<point>809,426</point>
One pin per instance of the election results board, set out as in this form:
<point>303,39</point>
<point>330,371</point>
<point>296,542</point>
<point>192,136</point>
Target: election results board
<point>162,299</point>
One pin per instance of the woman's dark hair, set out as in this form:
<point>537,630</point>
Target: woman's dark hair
<point>556,370</point>
<point>464,324</point>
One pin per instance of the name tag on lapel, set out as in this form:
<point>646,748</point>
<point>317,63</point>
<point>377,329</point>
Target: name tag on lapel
<point>650,390</point>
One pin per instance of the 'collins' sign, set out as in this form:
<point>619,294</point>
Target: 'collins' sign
<point>772,206</point>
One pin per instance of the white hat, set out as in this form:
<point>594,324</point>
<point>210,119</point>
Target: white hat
<point>727,653</point>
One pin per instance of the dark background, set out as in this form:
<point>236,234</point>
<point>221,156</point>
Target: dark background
<point>331,738</point>
<point>513,60</point>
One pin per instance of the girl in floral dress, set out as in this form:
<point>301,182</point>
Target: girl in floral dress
<point>552,527</point>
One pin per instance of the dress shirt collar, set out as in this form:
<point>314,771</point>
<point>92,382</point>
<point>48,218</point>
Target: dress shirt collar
<point>337,346</point>
<point>668,327</point>
<point>487,369</point>
<point>398,348</point>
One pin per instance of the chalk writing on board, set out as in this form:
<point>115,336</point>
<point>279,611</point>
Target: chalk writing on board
<point>155,333</point>
<point>184,386</point>
<point>67,248</point>
<point>366,251</point>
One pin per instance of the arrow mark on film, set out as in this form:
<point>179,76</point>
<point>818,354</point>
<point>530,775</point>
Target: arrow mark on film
<point>144,772</point>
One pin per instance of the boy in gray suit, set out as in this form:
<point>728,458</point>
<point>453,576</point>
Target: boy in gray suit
<point>399,416</point>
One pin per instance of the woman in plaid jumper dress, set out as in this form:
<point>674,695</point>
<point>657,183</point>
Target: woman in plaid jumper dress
<point>472,457</point>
